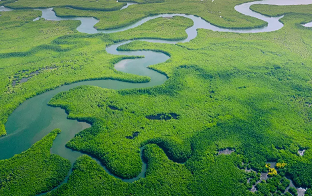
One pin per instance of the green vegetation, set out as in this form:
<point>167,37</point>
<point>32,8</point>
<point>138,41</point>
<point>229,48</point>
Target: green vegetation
<point>61,59</point>
<point>248,92</point>
<point>10,20</point>
<point>143,1</point>
<point>275,185</point>
<point>220,13</point>
<point>164,28</point>
<point>100,5</point>
<point>3,2</point>
<point>252,178</point>
<point>164,177</point>
<point>103,5</point>
<point>33,171</point>
<point>258,105</point>
<point>301,174</point>
<point>293,191</point>
<point>274,10</point>
<point>20,34</point>
<point>308,192</point>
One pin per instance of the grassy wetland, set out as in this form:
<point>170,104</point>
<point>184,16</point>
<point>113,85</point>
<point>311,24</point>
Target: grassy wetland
<point>33,171</point>
<point>220,13</point>
<point>253,97</point>
<point>274,10</point>
<point>250,93</point>
<point>103,5</point>
<point>58,59</point>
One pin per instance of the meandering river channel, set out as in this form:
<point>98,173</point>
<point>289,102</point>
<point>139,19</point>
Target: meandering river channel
<point>34,119</point>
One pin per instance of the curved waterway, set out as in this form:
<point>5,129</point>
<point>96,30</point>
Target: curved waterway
<point>34,119</point>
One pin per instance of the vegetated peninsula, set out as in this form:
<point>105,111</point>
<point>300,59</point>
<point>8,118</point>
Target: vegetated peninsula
<point>159,103</point>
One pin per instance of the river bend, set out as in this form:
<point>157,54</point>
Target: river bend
<point>34,119</point>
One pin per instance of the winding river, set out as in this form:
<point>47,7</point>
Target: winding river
<point>34,119</point>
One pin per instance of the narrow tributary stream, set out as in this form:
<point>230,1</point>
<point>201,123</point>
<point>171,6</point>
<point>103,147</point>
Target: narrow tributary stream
<point>34,119</point>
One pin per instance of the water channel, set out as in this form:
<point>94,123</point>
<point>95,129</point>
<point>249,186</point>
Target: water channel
<point>34,119</point>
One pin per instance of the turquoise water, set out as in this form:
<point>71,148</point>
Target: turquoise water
<point>34,119</point>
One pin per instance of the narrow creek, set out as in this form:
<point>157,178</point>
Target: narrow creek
<point>34,119</point>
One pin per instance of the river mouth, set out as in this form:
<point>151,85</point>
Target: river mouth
<point>34,118</point>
